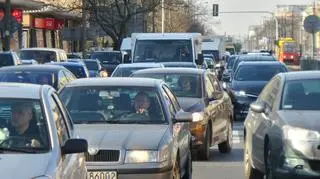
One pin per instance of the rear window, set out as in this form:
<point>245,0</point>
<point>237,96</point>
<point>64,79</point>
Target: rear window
<point>41,56</point>
<point>33,77</point>
<point>78,71</point>
<point>6,60</point>
<point>126,72</point>
<point>258,72</point>
<point>92,65</point>
<point>107,57</point>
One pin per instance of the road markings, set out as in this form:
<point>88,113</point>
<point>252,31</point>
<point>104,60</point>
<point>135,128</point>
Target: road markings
<point>237,136</point>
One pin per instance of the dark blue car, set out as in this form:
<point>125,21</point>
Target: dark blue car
<point>78,69</point>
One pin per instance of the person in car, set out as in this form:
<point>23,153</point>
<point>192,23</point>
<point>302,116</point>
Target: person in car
<point>44,80</point>
<point>183,54</point>
<point>186,84</point>
<point>22,124</point>
<point>141,103</point>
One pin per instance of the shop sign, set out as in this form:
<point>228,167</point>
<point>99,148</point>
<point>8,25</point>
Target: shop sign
<point>39,23</point>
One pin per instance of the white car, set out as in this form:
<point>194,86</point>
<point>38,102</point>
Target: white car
<point>36,135</point>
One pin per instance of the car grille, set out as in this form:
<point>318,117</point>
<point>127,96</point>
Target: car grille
<point>314,165</point>
<point>104,156</point>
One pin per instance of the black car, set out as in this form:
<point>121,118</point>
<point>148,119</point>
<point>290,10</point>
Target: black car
<point>78,69</point>
<point>248,81</point>
<point>199,93</point>
<point>228,68</point>
<point>253,57</point>
<point>9,59</point>
<point>94,66</point>
<point>55,76</point>
<point>109,59</point>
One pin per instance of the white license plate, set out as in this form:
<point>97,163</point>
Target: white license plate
<point>102,175</point>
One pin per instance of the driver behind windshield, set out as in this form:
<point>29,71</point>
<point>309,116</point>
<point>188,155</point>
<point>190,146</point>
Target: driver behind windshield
<point>141,103</point>
<point>22,124</point>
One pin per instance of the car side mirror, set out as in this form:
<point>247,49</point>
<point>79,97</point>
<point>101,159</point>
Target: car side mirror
<point>126,58</point>
<point>183,117</point>
<point>200,59</point>
<point>257,107</point>
<point>73,146</point>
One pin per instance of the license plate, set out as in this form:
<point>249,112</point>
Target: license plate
<point>102,175</point>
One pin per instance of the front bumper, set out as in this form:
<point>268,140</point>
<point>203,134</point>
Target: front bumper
<point>135,171</point>
<point>242,105</point>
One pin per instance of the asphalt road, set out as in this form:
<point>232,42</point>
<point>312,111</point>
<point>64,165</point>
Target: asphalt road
<point>223,166</point>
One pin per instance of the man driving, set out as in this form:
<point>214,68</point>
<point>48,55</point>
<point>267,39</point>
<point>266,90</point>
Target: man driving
<point>21,124</point>
<point>186,84</point>
<point>141,103</point>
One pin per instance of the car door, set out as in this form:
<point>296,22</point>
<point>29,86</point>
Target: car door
<point>70,165</point>
<point>184,132</point>
<point>212,108</point>
<point>262,121</point>
<point>224,107</point>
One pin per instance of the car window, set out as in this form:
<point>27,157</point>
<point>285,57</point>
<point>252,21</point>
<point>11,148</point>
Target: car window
<point>208,87</point>
<point>64,112</point>
<point>62,79</point>
<point>25,76</point>
<point>17,113</point>
<point>169,104</point>
<point>215,82</point>
<point>269,93</point>
<point>257,72</point>
<point>60,123</point>
<point>301,95</point>
<point>69,76</point>
<point>6,60</point>
<point>172,98</point>
<point>117,104</point>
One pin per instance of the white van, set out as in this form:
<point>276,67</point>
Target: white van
<point>43,55</point>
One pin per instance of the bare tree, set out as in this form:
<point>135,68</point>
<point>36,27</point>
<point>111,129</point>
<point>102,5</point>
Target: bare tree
<point>113,16</point>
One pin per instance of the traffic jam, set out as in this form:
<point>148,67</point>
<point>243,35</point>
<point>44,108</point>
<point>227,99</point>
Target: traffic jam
<point>165,106</point>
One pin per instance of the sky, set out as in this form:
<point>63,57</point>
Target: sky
<point>238,24</point>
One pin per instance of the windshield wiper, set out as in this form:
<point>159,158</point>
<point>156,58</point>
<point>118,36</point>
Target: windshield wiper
<point>21,150</point>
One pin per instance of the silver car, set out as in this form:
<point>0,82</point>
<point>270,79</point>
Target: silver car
<point>36,135</point>
<point>135,128</point>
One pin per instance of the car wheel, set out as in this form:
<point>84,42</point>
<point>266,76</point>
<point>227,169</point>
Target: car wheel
<point>249,171</point>
<point>268,164</point>
<point>188,167</point>
<point>176,170</point>
<point>204,151</point>
<point>226,146</point>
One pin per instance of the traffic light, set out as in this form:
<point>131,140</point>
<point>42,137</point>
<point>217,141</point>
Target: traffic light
<point>215,9</point>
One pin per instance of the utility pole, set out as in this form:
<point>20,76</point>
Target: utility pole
<point>83,29</point>
<point>7,22</point>
<point>162,16</point>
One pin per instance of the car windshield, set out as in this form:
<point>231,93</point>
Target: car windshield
<point>41,56</point>
<point>231,61</point>
<point>290,47</point>
<point>114,104</point>
<point>251,58</point>
<point>33,77</point>
<point>107,57</point>
<point>183,85</point>
<point>78,71</point>
<point>163,51</point>
<point>257,72</point>
<point>23,127</point>
<point>126,71</point>
<point>92,65</point>
<point>301,95</point>
<point>6,60</point>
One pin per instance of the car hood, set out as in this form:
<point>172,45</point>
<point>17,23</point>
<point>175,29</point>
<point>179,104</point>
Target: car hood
<point>302,119</point>
<point>191,104</point>
<point>250,87</point>
<point>23,165</point>
<point>180,64</point>
<point>122,136</point>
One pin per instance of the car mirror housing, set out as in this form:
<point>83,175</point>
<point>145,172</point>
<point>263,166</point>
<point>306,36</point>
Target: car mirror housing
<point>73,146</point>
<point>183,117</point>
<point>257,107</point>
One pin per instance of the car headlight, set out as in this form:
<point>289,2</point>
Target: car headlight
<point>146,156</point>
<point>299,134</point>
<point>197,116</point>
<point>239,93</point>
<point>292,56</point>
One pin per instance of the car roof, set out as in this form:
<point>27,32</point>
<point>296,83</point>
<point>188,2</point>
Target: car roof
<point>301,75</point>
<point>42,49</point>
<point>115,81</point>
<point>107,51</point>
<point>171,70</point>
<point>257,57</point>
<point>66,64</point>
<point>34,67</point>
<point>20,90</point>
<point>136,65</point>
<point>260,63</point>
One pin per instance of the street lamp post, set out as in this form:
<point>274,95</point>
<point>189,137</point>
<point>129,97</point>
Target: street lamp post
<point>162,16</point>
<point>7,22</point>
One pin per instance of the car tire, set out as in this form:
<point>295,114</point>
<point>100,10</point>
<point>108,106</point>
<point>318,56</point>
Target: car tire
<point>204,151</point>
<point>176,173</point>
<point>249,171</point>
<point>188,167</point>
<point>226,146</point>
<point>269,170</point>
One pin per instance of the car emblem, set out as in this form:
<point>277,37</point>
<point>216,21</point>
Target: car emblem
<point>93,150</point>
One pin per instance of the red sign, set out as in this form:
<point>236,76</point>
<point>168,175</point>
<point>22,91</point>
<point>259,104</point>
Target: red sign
<point>59,24</point>
<point>39,23</point>
<point>16,13</point>
<point>49,23</point>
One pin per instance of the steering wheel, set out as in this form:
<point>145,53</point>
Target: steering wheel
<point>14,140</point>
